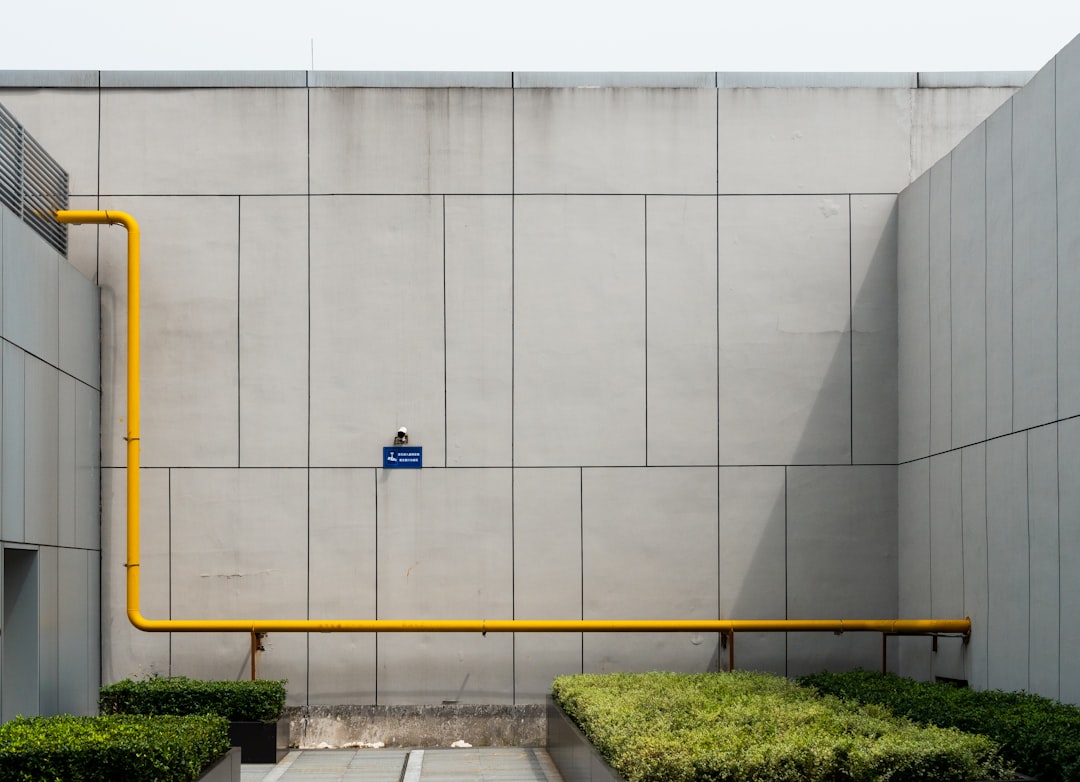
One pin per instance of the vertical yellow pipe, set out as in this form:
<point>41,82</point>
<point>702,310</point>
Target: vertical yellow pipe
<point>104,217</point>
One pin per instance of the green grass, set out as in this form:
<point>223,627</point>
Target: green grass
<point>742,726</point>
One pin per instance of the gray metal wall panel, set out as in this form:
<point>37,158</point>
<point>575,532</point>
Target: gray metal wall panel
<point>1069,558</point>
<point>973,487</point>
<point>940,79</point>
<point>42,452</point>
<point>274,332</point>
<point>875,404</point>
<point>87,467</point>
<point>13,501</point>
<point>80,338</point>
<point>620,79</point>
<point>913,318</point>
<point>681,318</point>
<point>479,294</point>
<point>947,556</point>
<point>1035,253</point>
<point>741,80</point>
<point>1007,561</point>
<point>208,79</point>
<point>547,576</point>
<point>1067,109</point>
<point>74,632</point>
<point>65,493</point>
<point>633,521</point>
<point>49,630</point>
<point>31,291</point>
<point>968,289</point>
<point>1044,617</point>
<point>93,656</point>
<point>752,560</point>
<point>30,78</point>
<point>913,556</point>
<point>845,513</point>
<point>999,272</point>
<point>940,307</point>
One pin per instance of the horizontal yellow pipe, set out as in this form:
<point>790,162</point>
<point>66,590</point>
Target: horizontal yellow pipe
<point>894,626</point>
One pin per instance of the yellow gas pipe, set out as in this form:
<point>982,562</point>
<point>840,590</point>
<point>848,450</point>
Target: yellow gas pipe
<point>727,627</point>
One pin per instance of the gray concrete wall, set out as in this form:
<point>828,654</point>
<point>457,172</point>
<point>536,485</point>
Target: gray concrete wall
<point>646,334</point>
<point>49,476</point>
<point>990,393</point>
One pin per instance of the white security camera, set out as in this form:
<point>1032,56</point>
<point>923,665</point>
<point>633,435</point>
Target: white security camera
<point>402,436</point>
<point>402,431</point>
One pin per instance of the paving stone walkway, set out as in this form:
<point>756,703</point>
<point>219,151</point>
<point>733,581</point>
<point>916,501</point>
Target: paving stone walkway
<point>502,764</point>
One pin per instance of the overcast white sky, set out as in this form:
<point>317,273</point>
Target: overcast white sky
<point>504,35</point>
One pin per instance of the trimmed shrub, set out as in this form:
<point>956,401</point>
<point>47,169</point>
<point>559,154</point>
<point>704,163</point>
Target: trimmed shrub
<point>1041,736</point>
<point>121,748</point>
<point>257,701</point>
<point>742,726</point>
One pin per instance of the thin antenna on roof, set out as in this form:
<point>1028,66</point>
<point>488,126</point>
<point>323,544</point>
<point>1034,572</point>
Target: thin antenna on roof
<point>312,54</point>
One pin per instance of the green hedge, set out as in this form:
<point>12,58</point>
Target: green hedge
<point>1039,735</point>
<point>257,701</point>
<point>122,748</point>
<point>741,726</point>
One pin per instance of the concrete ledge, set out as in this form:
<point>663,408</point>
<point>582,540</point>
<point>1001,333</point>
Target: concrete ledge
<point>417,726</point>
<point>946,79</point>
<point>626,79</point>
<point>402,79</point>
<point>58,79</point>
<point>737,80</point>
<point>201,79</point>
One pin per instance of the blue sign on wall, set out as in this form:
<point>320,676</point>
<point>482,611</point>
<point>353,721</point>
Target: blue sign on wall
<point>402,457</point>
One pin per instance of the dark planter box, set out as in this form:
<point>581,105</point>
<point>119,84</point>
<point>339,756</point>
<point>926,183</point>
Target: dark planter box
<point>261,742</point>
<point>576,759</point>
<point>225,769</point>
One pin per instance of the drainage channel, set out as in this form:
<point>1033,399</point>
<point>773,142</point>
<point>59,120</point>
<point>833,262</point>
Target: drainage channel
<point>413,764</point>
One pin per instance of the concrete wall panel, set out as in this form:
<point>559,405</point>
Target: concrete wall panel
<point>479,258</point>
<point>80,342</point>
<point>377,273</point>
<point>1007,562</point>
<point>842,552</point>
<point>189,332</point>
<point>967,286</point>
<point>87,467</point>
<point>1035,253</point>
<point>999,272</point>
<point>201,141</point>
<point>913,316</point>
<point>42,452</point>
<point>547,576</point>
<point>941,118</point>
<point>73,143</point>
<point>785,363</point>
<point>273,332</point>
<point>874,401</point>
<point>83,246</point>
<point>31,311</point>
<point>615,141</point>
<point>66,431</point>
<point>1069,556</point>
<point>751,564</point>
<point>973,487</point>
<point>940,307</point>
<point>681,315</point>
<point>635,524</point>
<point>813,140</point>
<point>913,489</point>
<point>342,582</point>
<point>579,368</point>
<point>1044,617</point>
<point>434,526</point>
<point>74,634</point>
<point>1067,108</point>
<point>411,141</point>
<point>13,500</point>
